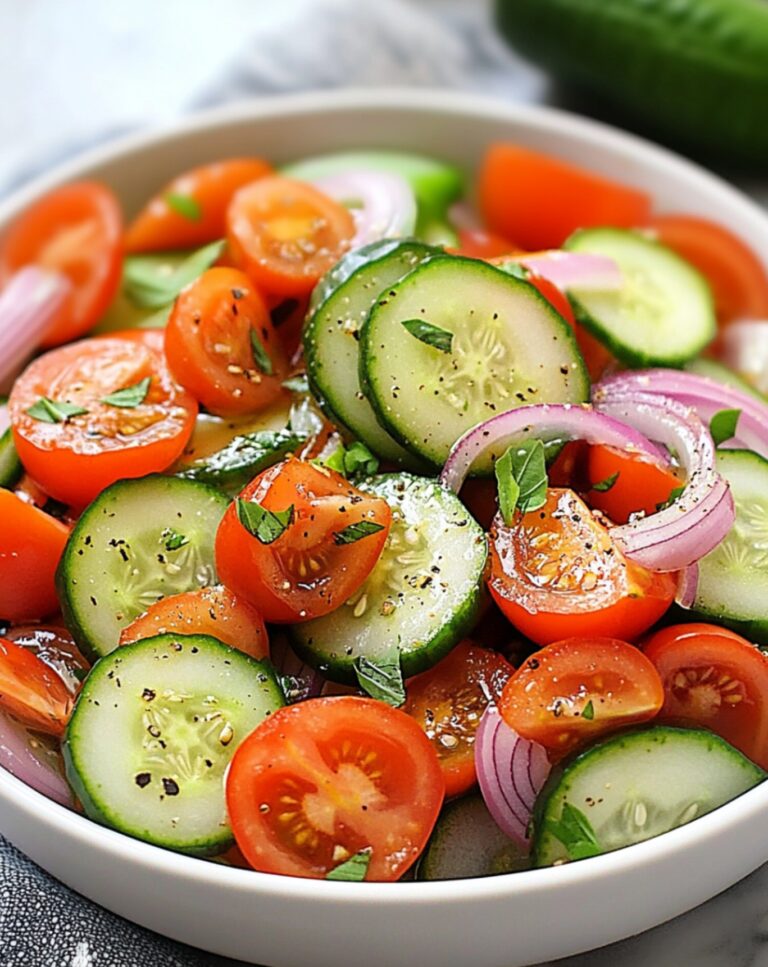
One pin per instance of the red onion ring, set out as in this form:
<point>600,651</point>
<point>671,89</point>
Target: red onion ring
<point>687,586</point>
<point>745,349</point>
<point>511,772</point>
<point>575,270</point>
<point>382,203</point>
<point>33,760</point>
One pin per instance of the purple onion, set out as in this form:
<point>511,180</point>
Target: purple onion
<point>382,203</point>
<point>34,759</point>
<point>687,586</point>
<point>575,270</point>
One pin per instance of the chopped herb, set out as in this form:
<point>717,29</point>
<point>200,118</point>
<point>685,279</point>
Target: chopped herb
<point>265,525</point>
<point>335,461</point>
<point>353,869</point>
<point>150,284</point>
<point>359,459</point>
<point>516,269</point>
<point>184,205</point>
<point>382,678</point>
<point>260,355</point>
<point>723,425</point>
<point>508,487</point>
<point>522,476</point>
<point>431,335</point>
<point>297,384</point>
<point>54,411</point>
<point>174,540</point>
<point>575,832</point>
<point>603,486</point>
<point>131,396</point>
<point>356,532</point>
<point>673,496</point>
<point>588,712</point>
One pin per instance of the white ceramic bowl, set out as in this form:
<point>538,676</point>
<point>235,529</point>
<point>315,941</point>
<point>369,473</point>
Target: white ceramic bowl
<point>501,921</point>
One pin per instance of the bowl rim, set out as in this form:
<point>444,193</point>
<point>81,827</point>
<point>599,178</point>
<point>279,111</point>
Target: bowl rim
<point>90,834</point>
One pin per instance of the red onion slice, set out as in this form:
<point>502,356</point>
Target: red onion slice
<point>511,772</point>
<point>575,270</point>
<point>687,586</point>
<point>745,349</point>
<point>34,759</point>
<point>382,203</point>
<point>29,304</point>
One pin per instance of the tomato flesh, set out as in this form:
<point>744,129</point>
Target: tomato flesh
<point>640,484</point>
<point>575,690</point>
<point>714,680</point>
<point>556,572</point>
<point>320,781</point>
<point>308,570</point>
<point>31,690</point>
<point>76,230</point>
<point>448,702</point>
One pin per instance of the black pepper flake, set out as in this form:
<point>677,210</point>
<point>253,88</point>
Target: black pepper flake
<point>148,694</point>
<point>143,779</point>
<point>171,787</point>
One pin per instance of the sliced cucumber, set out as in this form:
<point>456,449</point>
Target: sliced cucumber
<point>663,315</point>
<point>423,595</point>
<point>152,734</point>
<point>331,346</point>
<point>467,842</point>
<point>10,465</point>
<point>139,541</point>
<point>635,786</point>
<point>508,347</point>
<point>733,579</point>
<point>214,433</point>
<point>722,374</point>
<point>231,468</point>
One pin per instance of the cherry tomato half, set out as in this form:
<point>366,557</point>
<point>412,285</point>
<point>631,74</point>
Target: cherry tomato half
<point>479,243</point>
<point>575,690</point>
<point>322,556</point>
<point>75,230</point>
<point>448,702</point>
<point>55,646</point>
<point>634,483</point>
<point>714,679</point>
<point>31,690</point>
<point>556,572</point>
<point>325,779</point>
<point>74,457</point>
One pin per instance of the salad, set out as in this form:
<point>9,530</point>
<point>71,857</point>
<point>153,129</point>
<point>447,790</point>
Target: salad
<point>362,520</point>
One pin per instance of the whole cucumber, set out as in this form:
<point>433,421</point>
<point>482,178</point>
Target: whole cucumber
<point>694,72</point>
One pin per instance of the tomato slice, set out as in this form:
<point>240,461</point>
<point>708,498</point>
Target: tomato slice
<point>221,346</point>
<point>76,458</point>
<point>309,569</point>
<point>556,572</point>
<point>192,209</point>
<point>575,690</point>
<point>210,611</point>
<point>320,781</point>
<point>448,702</point>
<point>75,230</point>
<point>539,200</point>
<point>715,680</point>
<point>635,483</point>
<point>479,243</point>
<point>31,543</point>
<point>286,234</point>
<point>55,646</point>
<point>32,691</point>
<point>738,277</point>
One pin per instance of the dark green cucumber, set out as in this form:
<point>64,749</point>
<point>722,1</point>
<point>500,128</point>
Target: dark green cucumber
<point>139,541</point>
<point>153,731</point>
<point>466,842</point>
<point>422,596</point>
<point>10,465</point>
<point>232,467</point>
<point>694,72</point>
<point>634,786</point>
<point>664,313</point>
<point>508,347</point>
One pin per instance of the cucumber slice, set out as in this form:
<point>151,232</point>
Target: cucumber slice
<point>663,315</point>
<point>152,734</point>
<point>10,465</point>
<point>231,468</point>
<point>331,338</point>
<point>424,593</point>
<point>125,554</point>
<point>215,433</point>
<point>722,374</point>
<point>733,579</point>
<point>509,347</point>
<point>635,786</point>
<point>467,842</point>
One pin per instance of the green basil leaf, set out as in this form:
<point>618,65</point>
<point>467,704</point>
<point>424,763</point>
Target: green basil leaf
<point>356,532</point>
<point>359,459</point>
<point>381,679</point>
<point>149,289</point>
<point>297,384</point>
<point>603,486</point>
<point>575,832</point>
<point>723,425</point>
<point>265,525</point>
<point>673,496</point>
<point>131,396</point>
<point>184,205</point>
<point>54,411</point>
<point>588,712</point>
<point>335,461</point>
<point>353,869</point>
<point>260,354</point>
<point>508,487</point>
<point>521,473</point>
<point>174,540</point>
<point>431,335</point>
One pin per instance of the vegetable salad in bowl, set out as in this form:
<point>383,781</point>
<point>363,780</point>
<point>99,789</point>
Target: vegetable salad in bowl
<point>362,520</point>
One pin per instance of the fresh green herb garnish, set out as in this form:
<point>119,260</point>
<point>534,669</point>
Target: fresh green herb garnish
<point>149,288</point>
<point>353,869</point>
<point>129,397</point>
<point>382,678</point>
<point>184,205</point>
<point>297,384</point>
<point>265,525</point>
<point>173,539</point>
<point>673,496</point>
<point>356,532</point>
<point>723,425</point>
<point>603,486</point>
<point>359,459</point>
<point>54,411</point>
<point>260,355</point>
<point>575,832</point>
<point>516,269</point>
<point>335,461</point>
<point>588,712</point>
<point>521,474</point>
<point>431,335</point>
<point>508,487</point>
